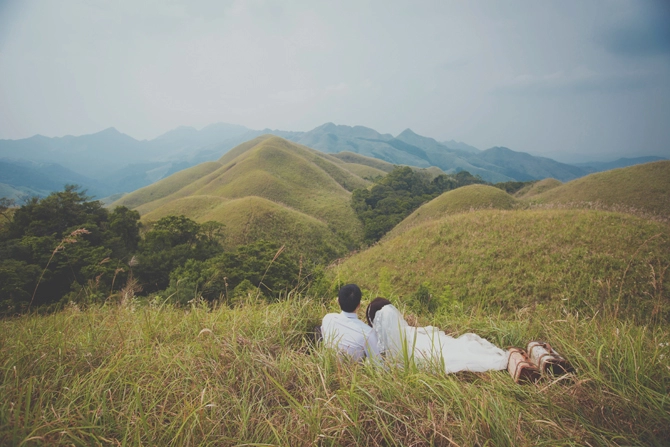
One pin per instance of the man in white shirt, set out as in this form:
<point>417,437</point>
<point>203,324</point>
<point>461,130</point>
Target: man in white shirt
<point>345,332</point>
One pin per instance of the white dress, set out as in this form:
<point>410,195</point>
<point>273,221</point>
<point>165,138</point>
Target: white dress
<point>431,346</point>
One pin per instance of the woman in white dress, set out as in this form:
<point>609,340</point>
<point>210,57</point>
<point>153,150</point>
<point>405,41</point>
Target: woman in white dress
<point>429,345</point>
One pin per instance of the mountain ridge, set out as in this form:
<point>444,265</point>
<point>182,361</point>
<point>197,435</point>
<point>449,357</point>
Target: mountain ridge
<point>121,164</point>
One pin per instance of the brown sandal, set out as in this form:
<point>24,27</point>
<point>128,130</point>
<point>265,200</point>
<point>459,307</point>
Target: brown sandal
<point>547,359</point>
<point>521,368</point>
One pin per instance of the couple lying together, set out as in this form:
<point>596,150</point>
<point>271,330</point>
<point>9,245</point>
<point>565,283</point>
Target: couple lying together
<point>388,333</point>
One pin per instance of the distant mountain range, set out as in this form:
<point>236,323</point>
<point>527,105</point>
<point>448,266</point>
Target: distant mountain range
<point>110,162</point>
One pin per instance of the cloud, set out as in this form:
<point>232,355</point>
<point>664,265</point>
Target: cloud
<point>645,33</point>
<point>337,89</point>
<point>577,81</point>
<point>293,96</point>
<point>296,96</point>
<point>453,64</point>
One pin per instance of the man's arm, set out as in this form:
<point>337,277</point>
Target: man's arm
<point>329,334</point>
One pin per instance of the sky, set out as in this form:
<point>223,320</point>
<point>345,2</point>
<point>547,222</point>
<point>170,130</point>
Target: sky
<point>572,80</point>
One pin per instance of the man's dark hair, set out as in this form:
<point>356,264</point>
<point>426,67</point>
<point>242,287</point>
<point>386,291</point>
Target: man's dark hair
<point>349,297</point>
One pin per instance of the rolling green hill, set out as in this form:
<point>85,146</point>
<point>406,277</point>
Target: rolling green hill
<point>376,163</point>
<point>579,259</point>
<point>643,187</point>
<point>292,192</point>
<point>165,187</point>
<point>537,188</point>
<point>456,201</point>
<point>251,218</point>
<point>374,167</point>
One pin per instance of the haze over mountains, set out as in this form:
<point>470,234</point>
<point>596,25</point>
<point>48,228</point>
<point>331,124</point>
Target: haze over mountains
<point>110,162</point>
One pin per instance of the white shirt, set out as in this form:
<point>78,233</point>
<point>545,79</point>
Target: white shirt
<point>350,335</point>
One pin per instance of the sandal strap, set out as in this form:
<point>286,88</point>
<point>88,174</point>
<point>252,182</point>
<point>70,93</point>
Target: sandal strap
<point>522,364</point>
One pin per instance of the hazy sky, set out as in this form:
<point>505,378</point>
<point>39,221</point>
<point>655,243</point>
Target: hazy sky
<point>554,78</point>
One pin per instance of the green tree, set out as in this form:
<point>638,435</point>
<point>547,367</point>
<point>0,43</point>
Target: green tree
<point>45,254</point>
<point>396,195</point>
<point>263,264</point>
<point>125,224</point>
<point>171,242</point>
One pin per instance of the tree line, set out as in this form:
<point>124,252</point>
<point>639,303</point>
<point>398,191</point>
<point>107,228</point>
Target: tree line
<point>396,195</point>
<point>67,248</point>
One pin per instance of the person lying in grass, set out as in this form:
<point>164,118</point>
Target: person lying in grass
<point>391,335</point>
<point>428,345</point>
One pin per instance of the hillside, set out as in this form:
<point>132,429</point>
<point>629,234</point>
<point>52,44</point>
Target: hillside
<point>644,188</point>
<point>537,188</point>
<point>374,167</point>
<point>376,163</point>
<point>165,187</point>
<point>291,193</point>
<point>459,145</point>
<point>11,193</point>
<point>467,198</point>
<point>624,162</point>
<point>117,369</point>
<point>110,162</point>
<point>252,218</point>
<point>580,259</point>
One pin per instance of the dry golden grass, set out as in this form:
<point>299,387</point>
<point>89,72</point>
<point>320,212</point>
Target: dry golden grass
<point>166,186</point>
<point>537,188</point>
<point>151,374</point>
<point>645,188</point>
<point>350,157</point>
<point>459,200</point>
<point>584,260</point>
<point>312,188</point>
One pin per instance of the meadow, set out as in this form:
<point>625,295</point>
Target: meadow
<point>151,374</point>
<point>592,280</point>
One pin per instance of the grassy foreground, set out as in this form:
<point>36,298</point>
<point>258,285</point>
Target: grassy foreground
<point>156,375</point>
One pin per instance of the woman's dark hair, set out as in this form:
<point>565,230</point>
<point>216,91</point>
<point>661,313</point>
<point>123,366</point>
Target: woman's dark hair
<point>374,307</point>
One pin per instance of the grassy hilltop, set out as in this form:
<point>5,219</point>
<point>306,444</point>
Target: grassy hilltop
<point>641,190</point>
<point>457,201</point>
<point>593,283</point>
<point>644,188</point>
<point>267,187</point>
<point>537,188</point>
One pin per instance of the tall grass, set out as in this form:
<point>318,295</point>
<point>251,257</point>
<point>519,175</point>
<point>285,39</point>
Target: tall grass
<point>153,374</point>
<point>567,260</point>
